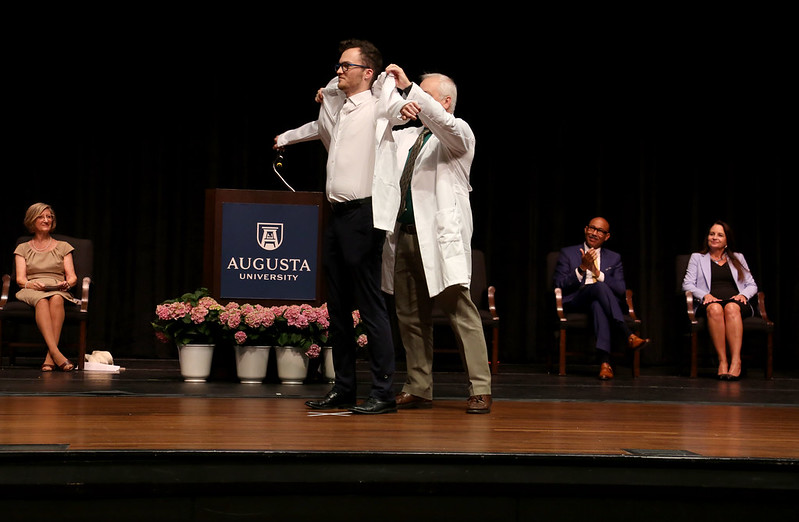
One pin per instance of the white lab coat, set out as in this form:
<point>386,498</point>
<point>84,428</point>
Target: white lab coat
<point>385,184</point>
<point>440,191</point>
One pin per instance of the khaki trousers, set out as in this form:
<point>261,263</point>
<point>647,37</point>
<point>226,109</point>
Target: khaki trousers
<point>414,316</point>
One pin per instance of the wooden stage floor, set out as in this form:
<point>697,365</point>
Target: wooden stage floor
<point>552,446</point>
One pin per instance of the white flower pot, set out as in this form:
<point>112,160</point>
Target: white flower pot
<point>327,363</point>
<point>195,361</point>
<point>251,363</point>
<point>292,364</point>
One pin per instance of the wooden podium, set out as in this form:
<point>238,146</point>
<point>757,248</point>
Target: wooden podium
<point>264,247</point>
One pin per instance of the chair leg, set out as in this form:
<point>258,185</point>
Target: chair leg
<point>769,355</point>
<point>82,345</point>
<point>11,355</point>
<point>495,352</point>
<point>637,355</point>
<point>693,354</point>
<point>562,355</point>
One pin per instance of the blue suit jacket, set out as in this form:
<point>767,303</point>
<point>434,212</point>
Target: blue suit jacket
<point>565,276</point>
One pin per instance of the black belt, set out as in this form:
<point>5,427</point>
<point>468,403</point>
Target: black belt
<point>408,228</point>
<point>343,206</point>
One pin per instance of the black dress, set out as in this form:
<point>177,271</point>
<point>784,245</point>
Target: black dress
<point>723,287</point>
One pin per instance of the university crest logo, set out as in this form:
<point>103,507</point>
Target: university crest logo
<point>270,235</point>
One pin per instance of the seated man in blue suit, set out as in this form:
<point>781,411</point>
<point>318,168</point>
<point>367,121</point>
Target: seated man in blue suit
<point>592,280</point>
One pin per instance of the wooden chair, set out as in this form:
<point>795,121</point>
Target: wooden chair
<point>484,296</point>
<point>759,323</point>
<point>14,312</point>
<point>583,322</point>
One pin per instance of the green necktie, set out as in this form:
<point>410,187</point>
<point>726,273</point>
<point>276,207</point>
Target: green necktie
<point>407,172</point>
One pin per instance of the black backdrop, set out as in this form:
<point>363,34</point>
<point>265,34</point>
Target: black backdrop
<point>121,126</point>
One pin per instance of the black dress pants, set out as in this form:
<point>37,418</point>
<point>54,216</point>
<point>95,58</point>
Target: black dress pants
<point>353,251</point>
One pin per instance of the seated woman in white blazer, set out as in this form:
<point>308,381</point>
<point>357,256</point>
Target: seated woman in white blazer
<point>721,281</point>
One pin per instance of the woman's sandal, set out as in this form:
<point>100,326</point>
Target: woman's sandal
<point>66,366</point>
<point>47,367</point>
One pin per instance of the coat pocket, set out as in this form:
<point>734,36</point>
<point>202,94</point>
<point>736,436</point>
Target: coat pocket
<point>448,233</point>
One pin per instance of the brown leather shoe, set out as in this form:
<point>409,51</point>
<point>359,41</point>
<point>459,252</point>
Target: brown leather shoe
<point>479,404</point>
<point>408,401</point>
<point>636,343</point>
<point>605,372</point>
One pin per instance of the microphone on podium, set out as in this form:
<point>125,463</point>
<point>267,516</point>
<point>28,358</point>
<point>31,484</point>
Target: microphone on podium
<point>278,164</point>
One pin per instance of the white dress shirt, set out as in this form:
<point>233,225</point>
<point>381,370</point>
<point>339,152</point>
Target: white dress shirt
<point>361,166</point>
<point>350,161</point>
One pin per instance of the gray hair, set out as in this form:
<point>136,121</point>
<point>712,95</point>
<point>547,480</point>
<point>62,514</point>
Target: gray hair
<point>446,87</point>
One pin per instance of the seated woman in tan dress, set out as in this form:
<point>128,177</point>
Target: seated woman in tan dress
<point>45,272</point>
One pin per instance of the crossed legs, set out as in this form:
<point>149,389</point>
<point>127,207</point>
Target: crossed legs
<point>605,309</point>
<point>50,320</point>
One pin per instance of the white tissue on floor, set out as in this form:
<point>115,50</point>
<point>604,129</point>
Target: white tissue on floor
<point>100,361</point>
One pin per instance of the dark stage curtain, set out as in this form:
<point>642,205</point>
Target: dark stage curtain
<point>124,144</point>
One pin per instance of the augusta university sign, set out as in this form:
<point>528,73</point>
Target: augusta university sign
<point>266,250</point>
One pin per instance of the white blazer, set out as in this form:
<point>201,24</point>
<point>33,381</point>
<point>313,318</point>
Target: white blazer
<point>697,276</point>
<point>440,191</point>
<point>385,183</point>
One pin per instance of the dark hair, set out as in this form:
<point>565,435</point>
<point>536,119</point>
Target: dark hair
<point>730,250</point>
<point>369,52</point>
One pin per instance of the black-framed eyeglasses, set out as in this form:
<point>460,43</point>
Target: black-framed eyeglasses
<point>345,66</point>
<point>599,231</point>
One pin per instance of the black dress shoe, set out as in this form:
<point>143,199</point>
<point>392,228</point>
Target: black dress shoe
<point>373,406</point>
<point>334,400</point>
